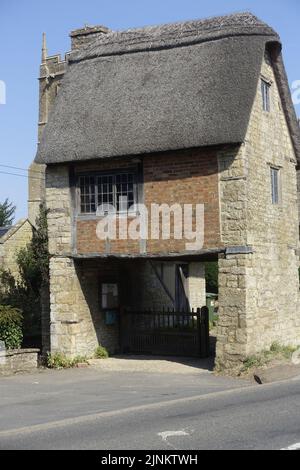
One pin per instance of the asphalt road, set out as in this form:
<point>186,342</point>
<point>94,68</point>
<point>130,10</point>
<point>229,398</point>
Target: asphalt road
<point>85,409</point>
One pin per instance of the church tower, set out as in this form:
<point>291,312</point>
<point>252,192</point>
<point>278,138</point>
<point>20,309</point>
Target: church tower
<point>52,70</point>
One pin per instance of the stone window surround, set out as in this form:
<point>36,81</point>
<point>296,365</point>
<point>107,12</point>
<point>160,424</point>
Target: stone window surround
<point>266,95</point>
<point>278,168</point>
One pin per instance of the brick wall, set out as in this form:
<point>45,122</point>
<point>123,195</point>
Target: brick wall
<point>186,177</point>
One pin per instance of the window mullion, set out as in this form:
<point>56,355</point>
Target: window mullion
<point>94,189</point>
<point>96,192</point>
<point>114,183</point>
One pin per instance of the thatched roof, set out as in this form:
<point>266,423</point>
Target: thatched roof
<point>162,88</point>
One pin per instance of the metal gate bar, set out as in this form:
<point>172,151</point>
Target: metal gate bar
<point>165,332</point>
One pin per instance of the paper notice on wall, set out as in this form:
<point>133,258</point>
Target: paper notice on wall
<point>110,297</point>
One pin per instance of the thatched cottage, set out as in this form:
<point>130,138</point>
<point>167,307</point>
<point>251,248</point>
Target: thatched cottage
<point>189,113</point>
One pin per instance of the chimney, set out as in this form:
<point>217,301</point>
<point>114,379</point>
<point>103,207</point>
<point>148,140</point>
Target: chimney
<point>82,37</point>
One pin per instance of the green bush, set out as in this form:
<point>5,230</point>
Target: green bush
<point>284,351</point>
<point>101,353</point>
<point>25,291</point>
<point>211,276</point>
<point>61,361</point>
<point>11,326</point>
<point>251,362</point>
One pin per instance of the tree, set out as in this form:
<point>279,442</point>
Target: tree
<point>211,275</point>
<point>33,260</point>
<point>7,213</point>
<point>25,292</point>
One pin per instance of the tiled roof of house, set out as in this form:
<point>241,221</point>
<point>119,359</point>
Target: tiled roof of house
<point>4,230</point>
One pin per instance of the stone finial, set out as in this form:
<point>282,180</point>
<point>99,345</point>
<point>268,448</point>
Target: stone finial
<point>44,49</point>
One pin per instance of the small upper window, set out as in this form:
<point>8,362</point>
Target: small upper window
<point>116,189</point>
<point>275,185</point>
<point>265,89</point>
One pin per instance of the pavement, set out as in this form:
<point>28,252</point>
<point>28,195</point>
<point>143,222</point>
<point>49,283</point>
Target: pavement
<point>154,364</point>
<point>104,410</point>
<point>275,373</point>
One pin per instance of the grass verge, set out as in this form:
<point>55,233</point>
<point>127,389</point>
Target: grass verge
<point>277,352</point>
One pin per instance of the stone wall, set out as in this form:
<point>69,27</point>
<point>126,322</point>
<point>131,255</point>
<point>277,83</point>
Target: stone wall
<point>77,323</point>
<point>298,191</point>
<point>77,319</point>
<point>259,291</point>
<point>196,285</point>
<point>11,243</point>
<point>147,290</point>
<point>273,230</point>
<point>36,190</point>
<point>59,205</point>
<point>18,360</point>
<point>233,324</point>
<point>77,326</point>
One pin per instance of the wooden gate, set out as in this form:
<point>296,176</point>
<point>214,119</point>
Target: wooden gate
<point>165,333</point>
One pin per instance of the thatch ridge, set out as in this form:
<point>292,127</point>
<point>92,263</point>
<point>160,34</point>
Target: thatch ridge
<point>174,34</point>
<point>163,88</point>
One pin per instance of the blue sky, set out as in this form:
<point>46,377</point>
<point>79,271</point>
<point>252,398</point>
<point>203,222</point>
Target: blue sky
<point>21,27</point>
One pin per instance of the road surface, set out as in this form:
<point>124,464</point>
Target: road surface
<point>86,409</point>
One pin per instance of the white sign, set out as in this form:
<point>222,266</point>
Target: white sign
<point>2,92</point>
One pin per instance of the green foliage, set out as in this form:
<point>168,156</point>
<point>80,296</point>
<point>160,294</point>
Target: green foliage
<point>17,294</point>
<point>284,351</point>
<point>7,213</point>
<point>61,361</point>
<point>252,362</point>
<point>211,277</point>
<point>39,246</point>
<point>276,351</point>
<point>101,353</point>
<point>33,263</point>
<point>29,270</point>
<point>58,361</point>
<point>11,327</point>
